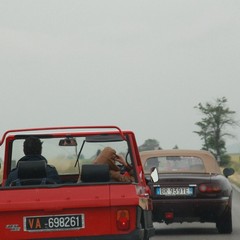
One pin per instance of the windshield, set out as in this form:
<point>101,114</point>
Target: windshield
<point>68,159</point>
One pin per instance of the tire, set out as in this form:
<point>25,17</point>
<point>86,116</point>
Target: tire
<point>146,238</point>
<point>143,237</point>
<point>147,227</point>
<point>224,224</point>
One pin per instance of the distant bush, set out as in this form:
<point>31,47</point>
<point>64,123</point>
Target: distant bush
<point>225,160</point>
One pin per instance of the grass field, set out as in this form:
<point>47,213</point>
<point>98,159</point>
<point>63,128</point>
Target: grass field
<point>235,178</point>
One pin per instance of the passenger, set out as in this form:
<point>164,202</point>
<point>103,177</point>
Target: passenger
<point>109,156</point>
<point>32,148</point>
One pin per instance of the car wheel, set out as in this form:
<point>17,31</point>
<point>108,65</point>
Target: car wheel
<point>145,236</point>
<point>224,224</point>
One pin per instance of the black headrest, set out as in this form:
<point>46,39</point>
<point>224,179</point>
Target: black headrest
<point>32,169</point>
<point>95,173</point>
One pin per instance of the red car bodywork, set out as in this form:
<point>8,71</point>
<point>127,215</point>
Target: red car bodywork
<point>75,210</point>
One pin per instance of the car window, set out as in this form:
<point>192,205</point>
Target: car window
<point>175,164</point>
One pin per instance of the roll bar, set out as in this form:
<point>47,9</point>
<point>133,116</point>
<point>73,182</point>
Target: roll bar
<point>60,128</point>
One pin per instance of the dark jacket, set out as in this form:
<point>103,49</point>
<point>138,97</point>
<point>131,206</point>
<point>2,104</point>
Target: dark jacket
<point>51,171</point>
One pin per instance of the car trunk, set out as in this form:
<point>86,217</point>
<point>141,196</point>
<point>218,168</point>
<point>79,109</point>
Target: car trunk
<point>183,177</point>
<point>64,211</point>
<point>179,185</point>
<point>177,197</point>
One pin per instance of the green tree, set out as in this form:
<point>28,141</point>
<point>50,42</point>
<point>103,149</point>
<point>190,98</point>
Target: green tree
<point>217,117</point>
<point>149,144</point>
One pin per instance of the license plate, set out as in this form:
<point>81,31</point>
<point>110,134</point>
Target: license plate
<point>174,191</point>
<point>53,223</point>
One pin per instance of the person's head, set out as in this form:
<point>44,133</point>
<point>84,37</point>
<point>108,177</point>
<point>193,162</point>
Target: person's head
<point>32,146</point>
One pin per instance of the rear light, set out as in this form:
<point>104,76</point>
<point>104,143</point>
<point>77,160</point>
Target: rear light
<point>209,188</point>
<point>123,220</point>
<point>169,215</point>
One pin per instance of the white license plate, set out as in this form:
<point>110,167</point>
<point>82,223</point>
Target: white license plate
<point>174,191</point>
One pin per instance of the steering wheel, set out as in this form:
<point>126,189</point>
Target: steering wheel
<point>128,161</point>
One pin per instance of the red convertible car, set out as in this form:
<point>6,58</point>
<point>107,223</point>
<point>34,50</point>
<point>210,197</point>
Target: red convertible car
<point>73,182</point>
<point>188,186</point>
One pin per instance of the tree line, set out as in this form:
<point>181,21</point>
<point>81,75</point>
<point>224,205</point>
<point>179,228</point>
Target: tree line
<point>213,127</point>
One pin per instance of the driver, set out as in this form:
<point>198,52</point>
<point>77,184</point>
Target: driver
<point>109,156</point>
<point>32,148</point>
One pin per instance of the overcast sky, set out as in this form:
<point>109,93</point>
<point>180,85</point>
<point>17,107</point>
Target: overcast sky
<point>139,64</point>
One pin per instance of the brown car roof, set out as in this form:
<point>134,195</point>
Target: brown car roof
<point>210,163</point>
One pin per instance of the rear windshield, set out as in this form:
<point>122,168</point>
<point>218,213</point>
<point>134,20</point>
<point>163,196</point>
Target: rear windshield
<point>175,164</point>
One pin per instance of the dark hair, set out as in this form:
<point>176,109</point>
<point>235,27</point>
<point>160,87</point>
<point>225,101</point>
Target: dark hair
<point>32,145</point>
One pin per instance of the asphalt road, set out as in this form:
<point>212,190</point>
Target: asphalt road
<point>200,231</point>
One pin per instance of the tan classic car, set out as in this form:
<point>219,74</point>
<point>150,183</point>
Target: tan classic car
<point>188,187</point>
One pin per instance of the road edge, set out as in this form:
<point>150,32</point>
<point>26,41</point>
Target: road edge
<point>235,187</point>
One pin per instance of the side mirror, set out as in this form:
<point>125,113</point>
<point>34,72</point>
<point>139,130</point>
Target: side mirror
<point>154,175</point>
<point>228,172</point>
